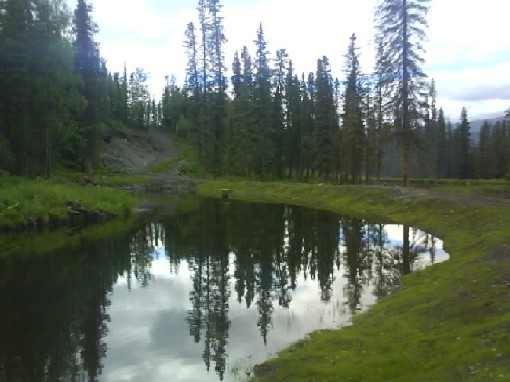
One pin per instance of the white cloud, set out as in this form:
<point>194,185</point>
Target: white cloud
<point>469,56</point>
<point>466,31</point>
<point>139,36</point>
<point>306,31</point>
<point>133,17</point>
<point>484,90</point>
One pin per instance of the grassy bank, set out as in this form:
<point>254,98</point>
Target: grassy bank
<point>40,202</point>
<point>450,322</point>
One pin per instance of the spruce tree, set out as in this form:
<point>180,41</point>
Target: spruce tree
<point>293,122</point>
<point>236,75</point>
<point>442,162</point>
<point>139,99</point>
<point>217,41</point>
<point>450,168</point>
<point>38,89</point>
<point>400,32</point>
<point>120,97</point>
<point>212,111</point>
<point>353,126</point>
<point>241,156</point>
<point>484,166</point>
<point>88,66</point>
<point>175,107</point>
<point>372,137</point>
<point>431,135</point>
<point>308,149</point>
<point>192,86</point>
<point>219,110</point>
<point>54,89</point>
<point>203,119</point>
<point>326,121</point>
<point>464,146</point>
<point>501,148</point>
<point>191,81</point>
<point>278,117</point>
<point>15,80</point>
<point>262,98</point>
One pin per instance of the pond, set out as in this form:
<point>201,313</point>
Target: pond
<point>202,294</point>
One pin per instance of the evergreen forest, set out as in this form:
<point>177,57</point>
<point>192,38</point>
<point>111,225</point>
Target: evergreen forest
<point>251,115</point>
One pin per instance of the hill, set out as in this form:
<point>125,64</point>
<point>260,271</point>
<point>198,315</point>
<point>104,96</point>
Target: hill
<point>476,126</point>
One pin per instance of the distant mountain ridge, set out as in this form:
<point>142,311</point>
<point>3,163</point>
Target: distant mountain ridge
<point>477,124</point>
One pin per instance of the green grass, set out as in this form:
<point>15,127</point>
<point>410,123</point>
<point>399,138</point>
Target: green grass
<point>185,162</point>
<point>119,180</point>
<point>449,322</point>
<point>164,165</point>
<point>496,188</point>
<point>102,176</point>
<point>23,200</point>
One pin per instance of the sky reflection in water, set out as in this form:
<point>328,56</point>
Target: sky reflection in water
<point>211,309</point>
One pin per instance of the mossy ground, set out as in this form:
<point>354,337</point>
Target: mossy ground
<point>450,322</point>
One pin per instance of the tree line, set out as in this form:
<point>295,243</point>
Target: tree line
<point>59,102</point>
<point>276,123</point>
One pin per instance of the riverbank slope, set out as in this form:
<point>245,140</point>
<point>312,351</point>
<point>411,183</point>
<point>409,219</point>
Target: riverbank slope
<point>449,322</point>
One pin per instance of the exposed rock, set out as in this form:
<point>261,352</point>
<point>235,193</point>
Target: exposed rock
<point>132,155</point>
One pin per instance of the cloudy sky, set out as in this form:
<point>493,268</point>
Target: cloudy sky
<point>468,52</point>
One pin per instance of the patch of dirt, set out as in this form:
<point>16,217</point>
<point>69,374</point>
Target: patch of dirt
<point>132,155</point>
<point>136,155</point>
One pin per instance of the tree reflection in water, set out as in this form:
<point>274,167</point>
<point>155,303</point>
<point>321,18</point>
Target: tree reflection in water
<point>55,309</point>
<point>269,246</point>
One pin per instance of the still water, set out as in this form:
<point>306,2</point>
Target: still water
<point>199,295</point>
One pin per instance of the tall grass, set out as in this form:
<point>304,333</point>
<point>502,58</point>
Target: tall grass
<point>23,201</point>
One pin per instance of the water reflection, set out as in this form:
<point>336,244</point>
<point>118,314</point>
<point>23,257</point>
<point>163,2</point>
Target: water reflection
<point>198,296</point>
